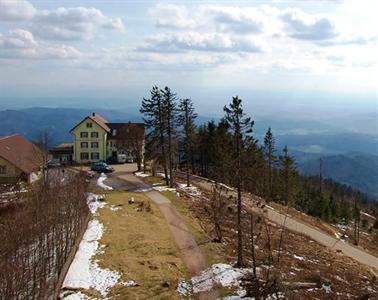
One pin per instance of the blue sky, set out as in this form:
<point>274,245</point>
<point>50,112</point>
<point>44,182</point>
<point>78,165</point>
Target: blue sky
<point>296,52</point>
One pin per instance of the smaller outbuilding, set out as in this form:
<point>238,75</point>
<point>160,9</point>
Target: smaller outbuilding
<point>20,159</point>
<point>62,153</point>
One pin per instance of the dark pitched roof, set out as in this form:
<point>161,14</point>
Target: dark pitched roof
<point>119,130</point>
<point>21,153</point>
<point>65,148</point>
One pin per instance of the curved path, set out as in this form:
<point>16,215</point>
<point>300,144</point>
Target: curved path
<point>191,253</point>
<point>319,236</point>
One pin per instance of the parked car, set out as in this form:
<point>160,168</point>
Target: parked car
<point>121,158</point>
<point>52,164</point>
<point>101,167</point>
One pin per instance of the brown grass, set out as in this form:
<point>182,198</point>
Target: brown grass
<point>139,245</point>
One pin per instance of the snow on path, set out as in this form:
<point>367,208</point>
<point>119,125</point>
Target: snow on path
<point>101,184</point>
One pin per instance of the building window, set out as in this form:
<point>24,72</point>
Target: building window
<point>95,155</point>
<point>114,132</point>
<point>3,169</point>
<point>84,145</point>
<point>84,155</point>
<point>94,134</point>
<point>83,134</point>
<point>94,145</point>
<point>89,125</point>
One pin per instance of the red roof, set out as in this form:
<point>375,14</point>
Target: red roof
<point>21,153</point>
<point>99,120</point>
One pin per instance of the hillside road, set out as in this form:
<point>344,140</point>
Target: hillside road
<point>294,225</point>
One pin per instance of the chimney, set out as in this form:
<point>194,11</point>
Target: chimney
<point>93,114</point>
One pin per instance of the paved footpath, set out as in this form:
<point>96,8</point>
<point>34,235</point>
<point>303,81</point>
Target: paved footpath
<point>191,253</point>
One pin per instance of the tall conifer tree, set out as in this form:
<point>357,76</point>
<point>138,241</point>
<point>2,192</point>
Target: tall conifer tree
<point>241,127</point>
<point>186,119</point>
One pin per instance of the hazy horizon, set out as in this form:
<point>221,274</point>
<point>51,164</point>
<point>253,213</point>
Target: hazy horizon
<point>303,60</point>
<point>86,48</point>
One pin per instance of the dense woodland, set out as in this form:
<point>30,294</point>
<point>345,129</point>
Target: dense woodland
<point>227,152</point>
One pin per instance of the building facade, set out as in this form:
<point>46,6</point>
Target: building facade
<point>95,139</point>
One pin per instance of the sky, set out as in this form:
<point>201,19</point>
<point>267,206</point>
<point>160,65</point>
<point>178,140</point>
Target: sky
<point>293,55</point>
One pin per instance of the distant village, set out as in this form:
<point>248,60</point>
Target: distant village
<point>94,139</point>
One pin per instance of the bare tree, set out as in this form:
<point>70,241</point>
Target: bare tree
<point>131,140</point>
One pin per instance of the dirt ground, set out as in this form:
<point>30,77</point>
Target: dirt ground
<point>302,260</point>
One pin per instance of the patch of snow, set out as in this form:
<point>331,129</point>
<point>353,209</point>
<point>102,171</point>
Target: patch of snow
<point>191,190</point>
<point>327,288</point>
<point>142,190</point>
<point>222,274</point>
<point>129,283</point>
<point>279,295</point>
<point>74,296</point>
<point>95,202</point>
<point>101,184</point>
<point>141,174</point>
<point>115,207</point>
<point>299,257</point>
<point>162,175</point>
<point>164,188</point>
<point>85,273</point>
<point>33,177</point>
<point>184,289</point>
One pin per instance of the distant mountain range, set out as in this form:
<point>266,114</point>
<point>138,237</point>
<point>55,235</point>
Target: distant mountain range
<point>359,170</point>
<point>350,158</point>
<point>31,122</point>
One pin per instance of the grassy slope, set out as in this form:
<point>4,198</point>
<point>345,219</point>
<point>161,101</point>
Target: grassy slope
<point>139,245</point>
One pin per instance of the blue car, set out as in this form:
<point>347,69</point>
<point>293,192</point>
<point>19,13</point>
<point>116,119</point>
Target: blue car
<point>101,167</point>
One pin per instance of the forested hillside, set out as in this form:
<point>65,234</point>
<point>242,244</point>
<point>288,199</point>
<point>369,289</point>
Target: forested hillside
<point>227,152</point>
<point>305,143</point>
<point>355,169</point>
<point>30,122</point>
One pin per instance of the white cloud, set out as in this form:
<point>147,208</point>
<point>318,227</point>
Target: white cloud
<point>17,39</point>
<point>350,40</point>
<point>308,27</point>
<point>172,16</point>
<point>21,44</point>
<point>75,23</point>
<point>78,23</point>
<point>237,20</point>
<point>195,41</point>
<point>16,10</point>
